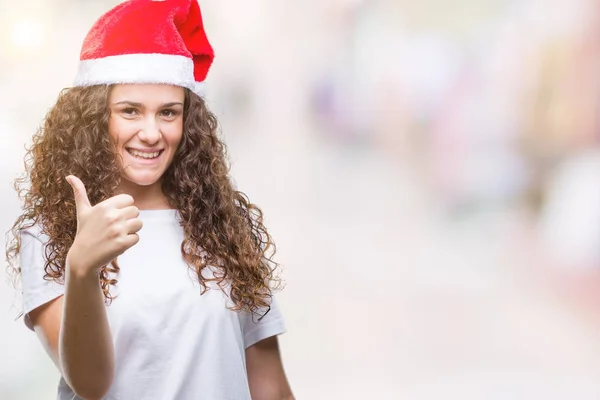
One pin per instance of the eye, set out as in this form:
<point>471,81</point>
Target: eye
<point>129,111</point>
<point>168,113</point>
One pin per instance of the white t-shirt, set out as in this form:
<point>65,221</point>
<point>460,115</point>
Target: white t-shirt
<point>170,342</point>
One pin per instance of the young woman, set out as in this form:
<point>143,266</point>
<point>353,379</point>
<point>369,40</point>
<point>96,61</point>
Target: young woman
<point>144,273</point>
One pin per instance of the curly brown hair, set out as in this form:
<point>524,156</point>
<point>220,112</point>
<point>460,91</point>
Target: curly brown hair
<point>221,227</point>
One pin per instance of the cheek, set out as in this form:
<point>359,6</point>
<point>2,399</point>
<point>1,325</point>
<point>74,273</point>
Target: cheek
<point>118,130</point>
<point>113,130</point>
<point>174,133</point>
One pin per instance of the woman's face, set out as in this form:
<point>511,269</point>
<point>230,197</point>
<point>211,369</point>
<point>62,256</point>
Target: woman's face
<point>146,122</point>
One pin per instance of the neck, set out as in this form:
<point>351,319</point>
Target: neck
<point>148,197</point>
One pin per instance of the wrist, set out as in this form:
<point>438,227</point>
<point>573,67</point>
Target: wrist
<point>80,272</point>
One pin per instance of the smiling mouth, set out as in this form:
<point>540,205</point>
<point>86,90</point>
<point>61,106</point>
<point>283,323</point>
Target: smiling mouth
<point>144,155</point>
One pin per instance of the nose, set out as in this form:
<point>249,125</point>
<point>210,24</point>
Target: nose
<point>150,132</point>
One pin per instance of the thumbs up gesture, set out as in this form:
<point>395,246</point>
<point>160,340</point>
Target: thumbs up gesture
<point>104,231</point>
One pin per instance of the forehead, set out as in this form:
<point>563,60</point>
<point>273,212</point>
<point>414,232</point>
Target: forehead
<point>146,94</point>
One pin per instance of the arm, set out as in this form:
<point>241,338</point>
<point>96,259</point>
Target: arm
<point>266,375</point>
<point>75,333</point>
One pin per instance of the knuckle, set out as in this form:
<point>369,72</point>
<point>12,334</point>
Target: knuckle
<point>114,231</point>
<point>127,198</point>
<point>112,216</point>
<point>121,244</point>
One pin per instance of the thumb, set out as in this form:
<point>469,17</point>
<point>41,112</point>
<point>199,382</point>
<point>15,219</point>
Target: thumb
<point>81,200</point>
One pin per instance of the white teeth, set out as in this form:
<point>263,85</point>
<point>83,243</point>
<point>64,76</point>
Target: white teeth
<point>140,154</point>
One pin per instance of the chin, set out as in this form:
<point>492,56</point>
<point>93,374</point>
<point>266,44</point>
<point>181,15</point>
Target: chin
<point>142,180</point>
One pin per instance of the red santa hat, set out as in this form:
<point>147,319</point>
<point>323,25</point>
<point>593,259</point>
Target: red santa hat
<point>147,41</point>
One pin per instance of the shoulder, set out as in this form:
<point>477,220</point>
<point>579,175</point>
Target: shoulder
<point>33,233</point>
<point>32,247</point>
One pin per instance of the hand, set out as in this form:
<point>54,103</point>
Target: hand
<point>104,231</point>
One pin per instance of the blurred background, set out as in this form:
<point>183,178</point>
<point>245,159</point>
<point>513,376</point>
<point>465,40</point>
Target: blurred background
<point>430,172</point>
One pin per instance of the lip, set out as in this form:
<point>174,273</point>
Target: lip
<point>143,160</point>
<point>143,150</point>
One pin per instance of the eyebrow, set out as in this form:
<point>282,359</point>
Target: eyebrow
<point>134,104</point>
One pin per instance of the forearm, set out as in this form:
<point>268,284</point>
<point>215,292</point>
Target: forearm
<point>85,343</point>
